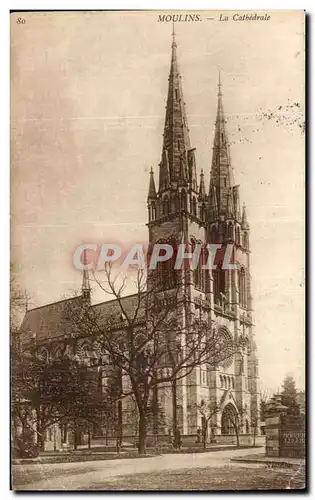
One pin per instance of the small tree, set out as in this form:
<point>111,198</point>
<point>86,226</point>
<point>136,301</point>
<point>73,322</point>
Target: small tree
<point>207,409</point>
<point>47,391</point>
<point>236,419</point>
<point>289,395</point>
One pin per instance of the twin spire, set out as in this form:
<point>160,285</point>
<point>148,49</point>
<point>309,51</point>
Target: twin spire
<point>177,168</point>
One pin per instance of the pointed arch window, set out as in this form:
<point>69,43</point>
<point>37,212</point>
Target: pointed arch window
<point>238,236</point>
<point>214,235</point>
<point>245,240</point>
<point>218,283</point>
<point>199,273</point>
<point>242,287</point>
<point>202,212</point>
<point>176,94</point>
<point>194,206</point>
<point>166,274</point>
<point>153,211</point>
<point>183,201</point>
<point>230,231</point>
<point>166,205</point>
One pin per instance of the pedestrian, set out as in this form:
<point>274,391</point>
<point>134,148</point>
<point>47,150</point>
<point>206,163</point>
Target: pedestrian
<point>178,439</point>
<point>198,435</point>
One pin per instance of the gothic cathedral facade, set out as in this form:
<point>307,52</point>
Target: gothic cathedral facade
<point>181,210</point>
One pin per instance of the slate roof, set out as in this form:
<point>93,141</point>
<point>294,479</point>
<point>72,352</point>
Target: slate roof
<point>52,321</point>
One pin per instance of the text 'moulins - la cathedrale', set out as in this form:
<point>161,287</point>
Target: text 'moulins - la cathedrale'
<point>182,211</point>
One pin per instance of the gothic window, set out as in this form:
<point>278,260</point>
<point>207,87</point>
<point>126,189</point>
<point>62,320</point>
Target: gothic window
<point>153,211</point>
<point>178,145</point>
<point>219,283</point>
<point>221,381</point>
<point>214,235</point>
<point>198,272</point>
<point>44,355</point>
<point>176,94</point>
<point>245,240</point>
<point>238,236</point>
<point>230,231</point>
<point>165,205</point>
<point>194,206</point>
<point>224,177</point>
<point>242,287</point>
<point>57,354</point>
<point>202,212</point>
<point>233,383</point>
<point>183,200</point>
<point>166,274</point>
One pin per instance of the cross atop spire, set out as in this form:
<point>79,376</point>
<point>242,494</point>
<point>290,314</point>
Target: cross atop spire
<point>173,36</point>
<point>86,287</point>
<point>220,84</point>
<point>152,190</point>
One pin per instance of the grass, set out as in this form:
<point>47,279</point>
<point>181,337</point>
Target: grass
<point>208,479</point>
<point>95,454</point>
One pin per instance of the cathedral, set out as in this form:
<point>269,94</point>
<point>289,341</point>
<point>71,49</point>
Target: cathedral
<point>182,210</point>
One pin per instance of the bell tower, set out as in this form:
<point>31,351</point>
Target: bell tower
<point>177,215</point>
<point>177,210</point>
<point>228,226</point>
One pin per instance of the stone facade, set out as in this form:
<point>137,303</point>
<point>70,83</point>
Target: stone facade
<point>181,210</point>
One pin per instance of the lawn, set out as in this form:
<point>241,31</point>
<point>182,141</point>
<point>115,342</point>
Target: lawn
<point>210,478</point>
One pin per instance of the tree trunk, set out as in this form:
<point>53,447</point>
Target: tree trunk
<point>254,436</point>
<point>75,439</point>
<point>142,432</point>
<point>237,438</point>
<point>155,415</point>
<point>120,422</point>
<point>174,405</point>
<point>204,438</point>
<point>89,439</point>
<point>40,437</point>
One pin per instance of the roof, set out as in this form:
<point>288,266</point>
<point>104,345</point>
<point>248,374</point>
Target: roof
<point>52,321</point>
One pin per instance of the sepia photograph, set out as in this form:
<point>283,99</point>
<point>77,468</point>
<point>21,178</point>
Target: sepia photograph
<point>157,263</point>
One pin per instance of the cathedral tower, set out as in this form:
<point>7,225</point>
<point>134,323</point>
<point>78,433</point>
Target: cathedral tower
<point>181,211</point>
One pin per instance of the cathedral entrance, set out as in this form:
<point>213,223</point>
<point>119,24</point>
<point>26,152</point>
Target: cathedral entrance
<point>229,415</point>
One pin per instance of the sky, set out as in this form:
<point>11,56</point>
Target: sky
<point>88,95</point>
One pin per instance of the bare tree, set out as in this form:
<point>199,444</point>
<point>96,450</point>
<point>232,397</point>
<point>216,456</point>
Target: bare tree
<point>207,409</point>
<point>152,342</point>
<point>236,419</point>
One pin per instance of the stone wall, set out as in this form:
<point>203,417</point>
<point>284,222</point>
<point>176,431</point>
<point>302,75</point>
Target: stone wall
<point>285,434</point>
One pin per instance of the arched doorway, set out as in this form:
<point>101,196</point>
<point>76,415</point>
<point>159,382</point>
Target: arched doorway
<point>228,419</point>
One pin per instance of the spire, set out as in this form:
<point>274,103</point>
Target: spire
<point>213,203</point>
<point>176,162</point>
<point>221,171</point>
<point>236,200</point>
<point>230,204</point>
<point>245,224</point>
<point>152,190</point>
<point>164,179</point>
<point>202,188</point>
<point>86,288</point>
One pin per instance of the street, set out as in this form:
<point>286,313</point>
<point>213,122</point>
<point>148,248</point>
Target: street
<point>185,471</point>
